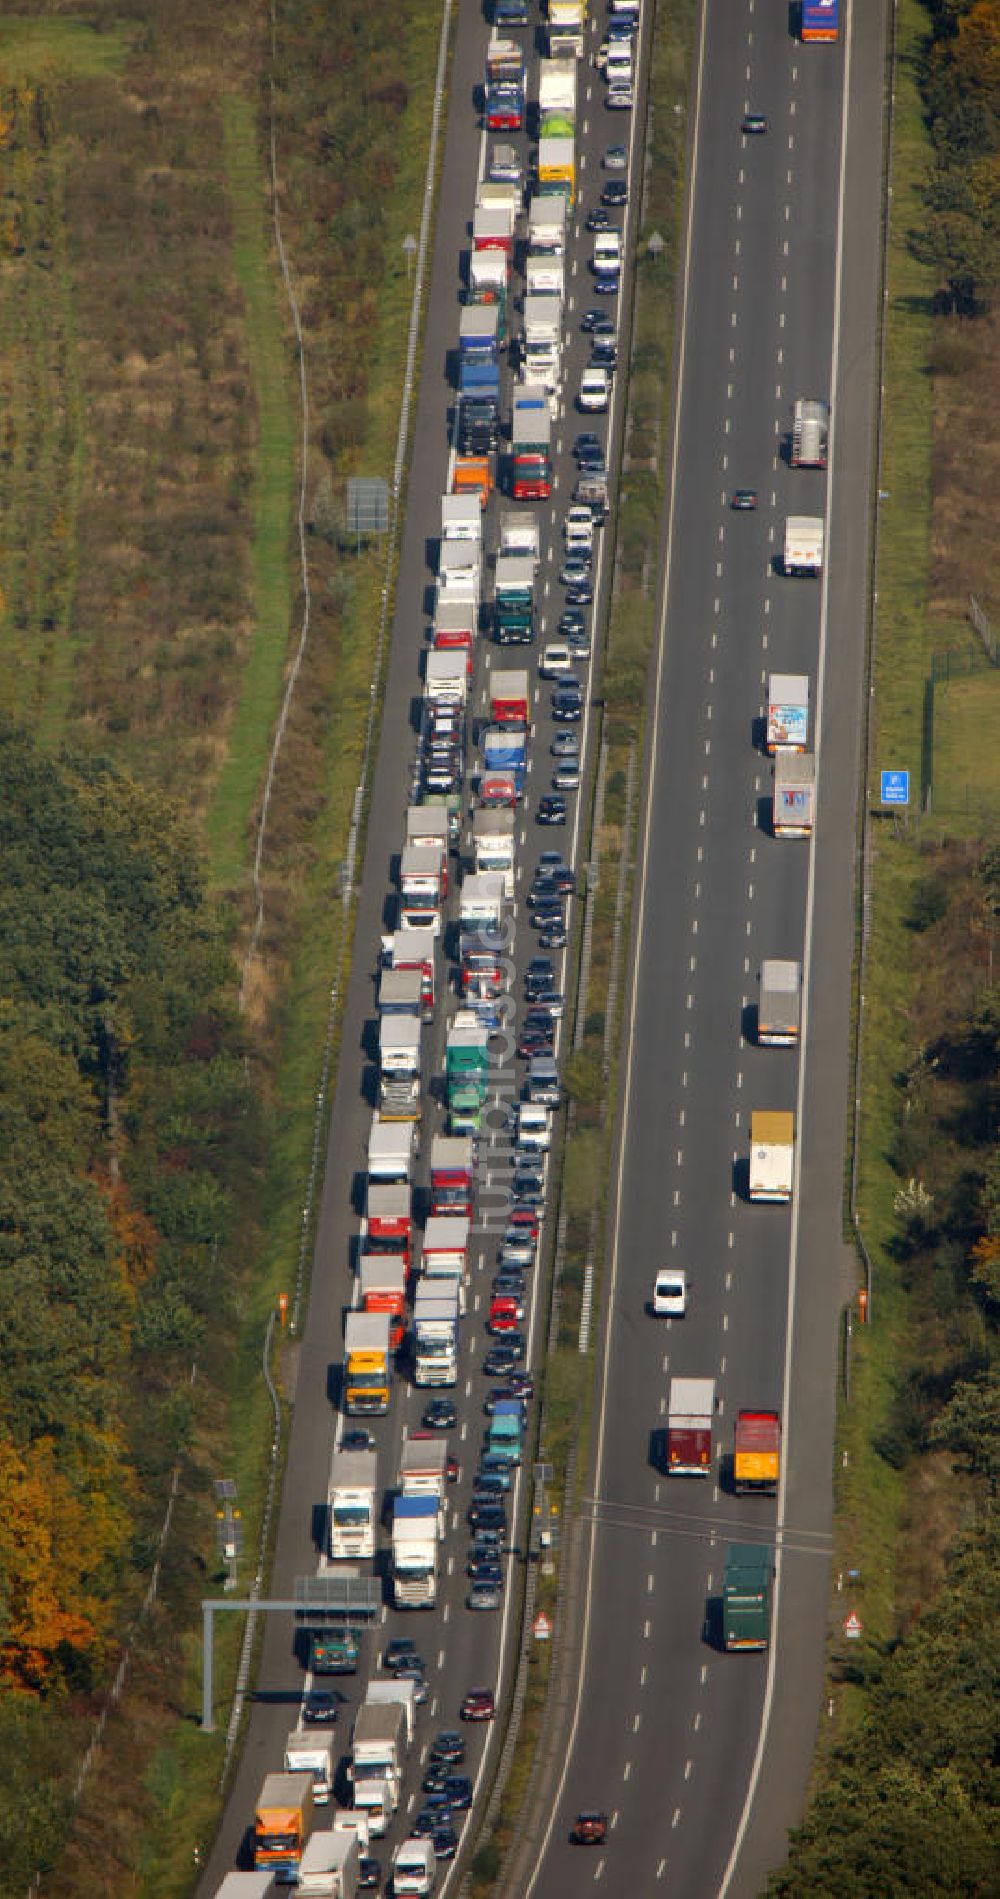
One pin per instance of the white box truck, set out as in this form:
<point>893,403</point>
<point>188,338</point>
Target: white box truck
<point>803,544</point>
<point>787,712</point>
<point>310,1751</point>
<point>794,794</point>
<point>353,1504</point>
<point>780,1004</point>
<point>772,1154</point>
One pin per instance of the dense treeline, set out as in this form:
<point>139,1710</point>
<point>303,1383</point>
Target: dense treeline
<point>911,1801</point>
<point>960,82</point>
<point>911,1804</point>
<point>126,1125</point>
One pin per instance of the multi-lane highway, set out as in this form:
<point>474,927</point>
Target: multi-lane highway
<point>460,1649</point>
<point>700,1758</point>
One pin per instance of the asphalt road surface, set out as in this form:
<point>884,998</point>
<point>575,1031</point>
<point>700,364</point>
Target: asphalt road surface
<point>459,1648</point>
<point>699,1758</point>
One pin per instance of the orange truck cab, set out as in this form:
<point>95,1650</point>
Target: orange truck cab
<point>473,476</point>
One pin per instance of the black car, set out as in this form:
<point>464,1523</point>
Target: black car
<point>588,443</point>
<point>598,220</point>
<point>434,1780</point>
<point>540,969</point>
<point>319,1708</point>
<point>589,318</point>
<point>522,1385</point>
<point>570,622</point>
<point>500,1361</point>
<point>459,1791</point>
<point>593,463</point>
<point>551,810</point>
<point>557,873</point>
<point>580,594</point>
<point>530,1190</point>
<point>555,937</point>
<point>369,1875</point>
<point>615,192</point>
<point>448,1746</point>
<point>488,1516</point>
<point>401,1652</point>
<point>424,1823</point>
<point>487,1544</point>
<point>547,915</point>
<point>604,354</point>
<point>484,1568</point>
<point>440,1415</point>
<point>444,1840</point>
<point>532,1042</point>
<point>568,710</point>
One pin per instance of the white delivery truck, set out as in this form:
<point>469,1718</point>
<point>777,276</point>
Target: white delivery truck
<point>772,1154</point>
<point>547,226</point>
<point>803,544</point>
<point>330,1867</point>
<point>462,519</point>
<point>353,1504</point>
<point>446,677</point>
<point>493,842</point>
<point>391,1146</point>
<point>435,1335</point>
<point>414,1552</point>
<point>545,277</point>
<point>794,794</point>
<point>519,537</point>
<point>787,712</point>
<point>310,1751</point>
<point>780,1004</point>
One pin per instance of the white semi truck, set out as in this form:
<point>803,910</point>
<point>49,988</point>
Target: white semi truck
<point>353,1504</point>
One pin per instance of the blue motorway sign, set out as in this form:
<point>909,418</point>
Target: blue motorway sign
<point>895,787</point>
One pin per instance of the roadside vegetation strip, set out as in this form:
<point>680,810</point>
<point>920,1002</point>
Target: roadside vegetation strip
<point>567,1395</point>
<point>252,729</point>
<point>919,1441</point>
<point>319,774</point>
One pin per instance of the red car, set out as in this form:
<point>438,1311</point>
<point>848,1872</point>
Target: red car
<point>479,1705</point>
<point>590,1829</point>
<point>504,1315</point>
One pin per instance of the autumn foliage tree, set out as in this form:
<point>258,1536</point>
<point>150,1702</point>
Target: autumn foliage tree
<point>960,236</point>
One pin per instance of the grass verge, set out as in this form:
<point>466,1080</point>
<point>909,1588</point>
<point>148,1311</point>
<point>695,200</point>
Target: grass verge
<point>252,730</point>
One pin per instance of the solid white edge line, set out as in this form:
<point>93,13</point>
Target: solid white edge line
<point>793,1247</point>
<point>682,348</point>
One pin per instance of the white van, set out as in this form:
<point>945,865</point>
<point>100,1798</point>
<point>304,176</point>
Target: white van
<point>618,69</point>
<point>413,1869</point>
<point>607,251</point>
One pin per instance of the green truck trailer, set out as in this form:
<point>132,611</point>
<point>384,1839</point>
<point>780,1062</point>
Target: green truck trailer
<point>746,1596</point>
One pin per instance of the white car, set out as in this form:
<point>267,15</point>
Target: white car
<point>619,99</point>
<point>670,1293</point>
<point>553,661</point>
<point>595,390</point>
<point>578,529</point>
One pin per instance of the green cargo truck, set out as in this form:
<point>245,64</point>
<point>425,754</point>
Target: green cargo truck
<point>746,1596</point>
<point>335,1651</point>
